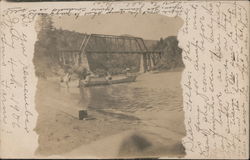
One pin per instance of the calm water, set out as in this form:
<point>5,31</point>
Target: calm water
<point>153,92</point>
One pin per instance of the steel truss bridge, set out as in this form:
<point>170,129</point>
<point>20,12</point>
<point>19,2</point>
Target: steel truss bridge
<point>110,44</point>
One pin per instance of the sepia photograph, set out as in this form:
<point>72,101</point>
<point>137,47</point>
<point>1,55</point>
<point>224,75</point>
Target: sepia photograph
<point>109,86</point>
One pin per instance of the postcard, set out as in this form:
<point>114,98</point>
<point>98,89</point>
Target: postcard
<point>125,79</point>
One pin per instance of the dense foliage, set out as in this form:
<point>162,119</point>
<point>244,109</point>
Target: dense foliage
<point>171,54</point>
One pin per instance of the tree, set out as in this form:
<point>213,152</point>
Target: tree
<point>47,38</point>
<point>45,47</point>
<point>172,57</point>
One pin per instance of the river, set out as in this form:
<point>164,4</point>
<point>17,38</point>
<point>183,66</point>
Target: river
<point>153,103</point>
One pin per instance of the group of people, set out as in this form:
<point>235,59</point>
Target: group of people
<point>84,76</point>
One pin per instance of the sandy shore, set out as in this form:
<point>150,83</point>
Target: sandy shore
<point>160,128</point>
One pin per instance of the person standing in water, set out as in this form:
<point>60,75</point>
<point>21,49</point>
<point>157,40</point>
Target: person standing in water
<point>66,78</point>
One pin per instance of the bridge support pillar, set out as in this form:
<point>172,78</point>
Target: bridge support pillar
<point>83,60</point>
<point>151,62</point>
<point>143,63</point>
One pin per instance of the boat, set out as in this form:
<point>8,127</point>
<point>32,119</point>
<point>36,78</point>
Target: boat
<point>97,81</point>
<point>114,80</point>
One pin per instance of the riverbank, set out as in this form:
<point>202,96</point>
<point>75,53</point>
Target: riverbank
<point>150,107</point>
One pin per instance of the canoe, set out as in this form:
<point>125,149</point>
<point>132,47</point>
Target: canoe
<point>114,80</point>
<point>101,81</point>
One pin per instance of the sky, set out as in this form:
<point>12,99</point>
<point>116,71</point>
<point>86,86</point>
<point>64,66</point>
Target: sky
<point>150,27</point>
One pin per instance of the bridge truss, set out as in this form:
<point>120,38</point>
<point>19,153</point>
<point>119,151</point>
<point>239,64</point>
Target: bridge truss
<point>110,44</point>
